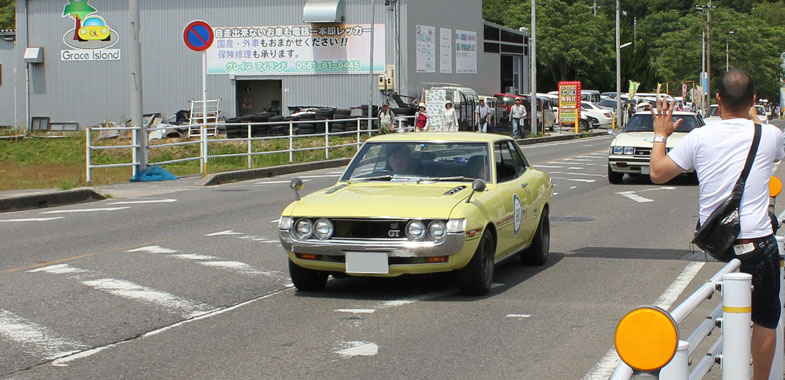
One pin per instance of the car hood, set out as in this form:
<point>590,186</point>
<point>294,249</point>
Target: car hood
<point>384,199</point>
<point>644,139</point>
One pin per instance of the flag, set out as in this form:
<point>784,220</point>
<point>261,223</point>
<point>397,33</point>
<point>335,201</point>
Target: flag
<point>633,89</point>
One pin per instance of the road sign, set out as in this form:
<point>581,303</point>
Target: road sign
<point>198,35</point>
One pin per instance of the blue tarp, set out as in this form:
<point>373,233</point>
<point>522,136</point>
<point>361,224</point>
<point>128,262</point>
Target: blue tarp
<point>153,173</point>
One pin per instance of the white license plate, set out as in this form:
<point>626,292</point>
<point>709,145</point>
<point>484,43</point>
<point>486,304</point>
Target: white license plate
<point>367,263</point>
<point>645,170</point>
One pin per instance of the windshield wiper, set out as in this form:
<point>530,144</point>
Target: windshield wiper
<point>446,179</point>
<point>386,177</point>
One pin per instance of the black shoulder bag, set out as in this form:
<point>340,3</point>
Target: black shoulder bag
<point>719,231</point>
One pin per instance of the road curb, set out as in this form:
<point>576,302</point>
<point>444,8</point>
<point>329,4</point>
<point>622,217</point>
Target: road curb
<point>244,175</point>
<point>48,199</point>
<point>537,140</point>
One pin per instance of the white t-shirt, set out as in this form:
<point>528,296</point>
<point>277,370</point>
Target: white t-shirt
<point>718,152</point>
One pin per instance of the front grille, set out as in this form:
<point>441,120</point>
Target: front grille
<point>388,229</point>
<point>644,152</point>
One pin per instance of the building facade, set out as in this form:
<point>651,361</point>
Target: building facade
<point>70,60</point>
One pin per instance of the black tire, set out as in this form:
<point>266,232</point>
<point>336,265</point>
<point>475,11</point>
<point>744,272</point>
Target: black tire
<point>613,177</point>
<point>477,277</point>
<point>537,253</point>
<point>306,131</point>
<point>583,125</point>
<point>307,280</point>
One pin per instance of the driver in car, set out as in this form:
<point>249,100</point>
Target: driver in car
<point>398,160</point>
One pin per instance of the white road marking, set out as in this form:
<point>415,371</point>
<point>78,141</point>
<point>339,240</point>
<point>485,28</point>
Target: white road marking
<point>573,187</point>
<point>519,316</point>
<point>356,311</point>
<point>575,168</point>
<point>193,256</point>
<point>321,176</point>
<point>635,197</point>
<point>555,194</point>
<point>548,166</point>
<point>237,266</point>
<point>30,220</point>
<point>276,221</point>
<point>357,348</point>
<point>660,188</point>
<point>575,179</point>
<point>153,249</point>
<point>130,290</point>
<point>168,200</point>
<point>58,269</point>
<point>587,174</point>
<point>35,339</point>
<point>276,182</point>
<point>607,365</point>
<point>575,160</point>
<point>529,147</point>
<point>223,233</point>
<point>85,210</point>
<point>64,361</point>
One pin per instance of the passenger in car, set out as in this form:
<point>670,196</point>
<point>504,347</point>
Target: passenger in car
<point>398,160</point>
<point>477,168</point>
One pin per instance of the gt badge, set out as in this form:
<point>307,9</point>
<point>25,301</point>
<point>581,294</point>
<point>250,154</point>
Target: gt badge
<point>518,213</point>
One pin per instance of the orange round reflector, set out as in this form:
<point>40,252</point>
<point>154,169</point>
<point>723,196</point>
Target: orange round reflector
<point>775,186</point>
<point>647,338</point>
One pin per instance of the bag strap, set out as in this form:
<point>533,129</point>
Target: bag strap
<point>738,190</point>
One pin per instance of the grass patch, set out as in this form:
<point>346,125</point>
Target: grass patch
<point>37,162</point>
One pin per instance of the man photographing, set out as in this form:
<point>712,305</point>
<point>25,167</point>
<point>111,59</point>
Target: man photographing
<point>718,153</point>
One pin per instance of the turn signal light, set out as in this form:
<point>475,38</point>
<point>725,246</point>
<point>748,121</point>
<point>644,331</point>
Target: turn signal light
<point>436,259</point>
<point>306,256</point>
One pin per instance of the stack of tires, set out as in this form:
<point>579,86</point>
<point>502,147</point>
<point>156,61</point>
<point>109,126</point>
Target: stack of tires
<point>308,128</point>
<point>235,131</point>
<point>374,114</point>
<point>340,126</point>
<point>282,129</point>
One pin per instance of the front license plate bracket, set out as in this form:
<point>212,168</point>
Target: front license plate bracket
<point>367,263</point>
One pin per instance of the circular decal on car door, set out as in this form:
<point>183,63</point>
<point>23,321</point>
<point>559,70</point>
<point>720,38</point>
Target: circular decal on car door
<point>518,213</point>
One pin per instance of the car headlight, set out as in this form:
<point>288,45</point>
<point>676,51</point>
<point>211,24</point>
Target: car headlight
<point>323,229</point>
<point>629,150</point>
<point>618,150</point>
<point>415,230</point>
<point>285,223</point>
<point>303,229</point>
<point>437,230</point>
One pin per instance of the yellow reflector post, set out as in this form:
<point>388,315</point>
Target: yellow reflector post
<point>647,338</point>
<point>775,186</point>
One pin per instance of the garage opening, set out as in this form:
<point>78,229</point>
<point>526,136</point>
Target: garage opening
<point>257,96</point>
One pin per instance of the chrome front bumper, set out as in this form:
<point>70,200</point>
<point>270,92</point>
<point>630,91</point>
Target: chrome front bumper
<point>451,245</point>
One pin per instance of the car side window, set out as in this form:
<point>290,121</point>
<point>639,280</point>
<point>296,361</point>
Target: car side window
<point>509,163</point>
<point>516,158</point>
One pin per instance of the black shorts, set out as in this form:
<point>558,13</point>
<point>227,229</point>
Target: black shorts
<point>763,265</point>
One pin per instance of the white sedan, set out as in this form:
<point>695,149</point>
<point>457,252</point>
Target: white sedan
<point>630,151</point>
<point>602,115</point>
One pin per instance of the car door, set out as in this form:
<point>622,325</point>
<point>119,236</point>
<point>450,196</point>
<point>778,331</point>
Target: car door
<point>515,228</point>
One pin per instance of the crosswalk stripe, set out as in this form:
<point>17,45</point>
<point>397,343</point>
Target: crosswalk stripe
<point>210,261</point>
<point>130,290</point>
<point>35,339</point>
<point>85,210</point>
<point>30,220</point>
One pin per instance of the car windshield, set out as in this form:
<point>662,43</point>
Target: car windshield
<point>714,111</point>
<point>420,162</point>
<point>761,110</point>
<point>645,123</point>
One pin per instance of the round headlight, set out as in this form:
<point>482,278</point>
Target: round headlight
<point>437,230</point>
<point>303,229</point>
<point>415,230</point>
<point>323,229</point>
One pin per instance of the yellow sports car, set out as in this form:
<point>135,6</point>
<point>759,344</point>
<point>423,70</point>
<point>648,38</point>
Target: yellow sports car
<point>94,28</point>
<point>412,203</point>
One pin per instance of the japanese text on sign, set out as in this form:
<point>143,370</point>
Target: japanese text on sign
<point>296,49</point>
<point>569,101</point>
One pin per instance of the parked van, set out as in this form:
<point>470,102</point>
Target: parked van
<point>590,96</point>
<point>464,100</point>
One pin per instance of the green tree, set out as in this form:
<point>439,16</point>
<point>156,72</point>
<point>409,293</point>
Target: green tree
<point>77,10</point>
<point>7,9</point>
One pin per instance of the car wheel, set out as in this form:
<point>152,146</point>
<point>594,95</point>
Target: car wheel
<point>537,253</point>
<point>584,125</point>
<point>613,177</point>
<point>476,278</point>
<point>307,279</point>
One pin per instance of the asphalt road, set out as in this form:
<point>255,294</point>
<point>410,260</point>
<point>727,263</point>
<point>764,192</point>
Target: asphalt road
<point>191,283</point>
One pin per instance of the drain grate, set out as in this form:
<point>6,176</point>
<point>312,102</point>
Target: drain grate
<point>570,219</point>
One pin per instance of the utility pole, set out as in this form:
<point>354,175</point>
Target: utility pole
<point>135,69</point>
<point>373,82</point>
<point>708,53</point>
<point>534,69</point>
<point>618,68</point>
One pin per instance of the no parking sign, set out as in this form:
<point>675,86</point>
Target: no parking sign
<point>198,35</point>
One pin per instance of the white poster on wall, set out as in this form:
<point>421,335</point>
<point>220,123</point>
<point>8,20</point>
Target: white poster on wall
<point>445,50</point>
<point>434,105</point>
<point>426,49</point>
<point>465,52</point>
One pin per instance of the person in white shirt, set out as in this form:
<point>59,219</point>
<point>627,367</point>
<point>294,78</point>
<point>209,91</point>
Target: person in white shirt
<point>449,118</point>
<point>718,153</point>
<point>482,115</point>
<point>386,118</point>
<point>517,117</point>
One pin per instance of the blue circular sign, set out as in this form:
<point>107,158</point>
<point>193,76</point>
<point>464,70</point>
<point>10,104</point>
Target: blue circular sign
<point>198,35</point>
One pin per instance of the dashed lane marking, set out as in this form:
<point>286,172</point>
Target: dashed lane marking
<point>36,340</point>
<point>519,316</point>
<point>357,348</point>
<point>575,179</point>
<point>635,197</point>
<point>224,233</point>
<point>356,311</point>
<point>85,210</point>
<point>30,220</point>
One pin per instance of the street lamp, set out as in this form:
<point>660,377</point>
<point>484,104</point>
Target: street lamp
<point>726,50</point>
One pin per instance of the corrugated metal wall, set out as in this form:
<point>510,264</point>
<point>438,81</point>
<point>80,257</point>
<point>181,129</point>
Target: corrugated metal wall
<point>7,97</point>
<point>91,92</point>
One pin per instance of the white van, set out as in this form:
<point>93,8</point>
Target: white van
<point>464,100</point>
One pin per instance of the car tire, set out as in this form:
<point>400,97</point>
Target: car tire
<point>537,253</point>
<point>584,125</point>
<point>476,278</point>
<point>307,280</point>
<point>613,177</point>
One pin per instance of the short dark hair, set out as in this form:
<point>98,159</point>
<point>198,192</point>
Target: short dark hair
<point>736,91</point>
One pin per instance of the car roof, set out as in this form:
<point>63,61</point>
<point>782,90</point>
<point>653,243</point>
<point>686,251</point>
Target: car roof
<point>506,94</point>
<point>675,113</point>
<point>440,137</point>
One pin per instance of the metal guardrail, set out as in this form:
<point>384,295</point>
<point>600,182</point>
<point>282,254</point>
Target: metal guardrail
<point>732,348</point>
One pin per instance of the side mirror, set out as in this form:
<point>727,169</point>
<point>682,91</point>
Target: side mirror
<point>477,185</point>
<point>296,184</point>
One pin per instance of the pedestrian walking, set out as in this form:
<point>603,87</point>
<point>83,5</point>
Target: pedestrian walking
<point>718,154</point>
<point>386,118</point>
<point>482,115</point>
<point>517,116</point>
<point>449,118</point>
<point>421,118</point>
